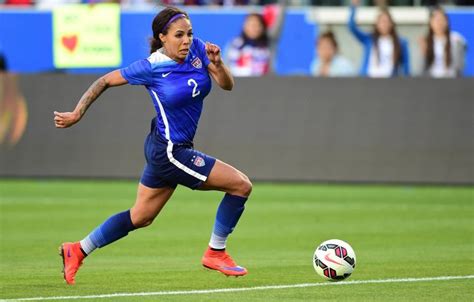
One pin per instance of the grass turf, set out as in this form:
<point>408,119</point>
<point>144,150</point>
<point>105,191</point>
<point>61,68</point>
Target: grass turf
<point>396,232</point>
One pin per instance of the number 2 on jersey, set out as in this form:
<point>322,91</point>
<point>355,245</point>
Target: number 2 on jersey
<point>196,92</point>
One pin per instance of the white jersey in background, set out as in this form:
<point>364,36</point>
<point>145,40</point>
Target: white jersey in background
<point>439,69</point>
<point>381,67</point>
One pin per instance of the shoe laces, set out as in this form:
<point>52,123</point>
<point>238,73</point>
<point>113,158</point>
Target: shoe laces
<point>227,259</point>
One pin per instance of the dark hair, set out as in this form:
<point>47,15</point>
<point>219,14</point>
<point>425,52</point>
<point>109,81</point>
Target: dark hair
<point>3,63</point>
<point>331,37</point>
<point>262,40</point>
<point>159,22</point>
<point>397,53</point>
<point>429,56</point>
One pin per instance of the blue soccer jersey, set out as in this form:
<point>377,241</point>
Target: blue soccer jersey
<point>177,90</point>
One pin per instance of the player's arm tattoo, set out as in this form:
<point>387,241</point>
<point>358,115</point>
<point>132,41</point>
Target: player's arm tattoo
<point>94,91</point>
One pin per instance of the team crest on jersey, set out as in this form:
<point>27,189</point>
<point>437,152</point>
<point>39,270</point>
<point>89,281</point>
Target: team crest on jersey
<point>199,161</point>
<point>197,63</point>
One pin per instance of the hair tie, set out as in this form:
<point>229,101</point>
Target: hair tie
<point>174,18</point>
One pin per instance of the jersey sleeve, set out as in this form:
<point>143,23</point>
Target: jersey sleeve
<point>201,50</point>
<point>362,36</point>
<point>138,73</point>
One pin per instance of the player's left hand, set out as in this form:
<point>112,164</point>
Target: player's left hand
<point>214,53</point>
<point>65,119</point>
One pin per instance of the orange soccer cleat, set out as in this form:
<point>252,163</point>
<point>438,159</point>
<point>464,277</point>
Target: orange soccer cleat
<point>222,262</point>
<point>72,259</point>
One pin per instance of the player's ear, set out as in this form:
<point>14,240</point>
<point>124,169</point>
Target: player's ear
<point>162,38</point>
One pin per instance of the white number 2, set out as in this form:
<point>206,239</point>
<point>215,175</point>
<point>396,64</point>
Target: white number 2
<point>196,92</point>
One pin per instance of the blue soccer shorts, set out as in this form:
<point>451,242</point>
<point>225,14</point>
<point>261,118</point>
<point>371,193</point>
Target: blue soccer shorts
<point>169,165</point>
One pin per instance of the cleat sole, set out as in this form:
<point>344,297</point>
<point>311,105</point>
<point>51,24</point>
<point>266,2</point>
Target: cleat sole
<point>215,269</point>
<point>208,267</point>
<point>61,253</point>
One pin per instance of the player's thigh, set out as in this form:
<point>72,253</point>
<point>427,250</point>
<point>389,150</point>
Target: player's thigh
<point>148,204</point>
<point>224,177</point>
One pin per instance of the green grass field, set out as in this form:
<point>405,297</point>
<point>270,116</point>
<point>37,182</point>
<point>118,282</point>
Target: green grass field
<point>396,232</point>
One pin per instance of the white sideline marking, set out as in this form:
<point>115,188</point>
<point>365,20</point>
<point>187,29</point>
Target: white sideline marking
<point>243,289</point>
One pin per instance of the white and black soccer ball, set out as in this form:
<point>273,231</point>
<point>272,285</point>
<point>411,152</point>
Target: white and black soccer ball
<point>334,260</point>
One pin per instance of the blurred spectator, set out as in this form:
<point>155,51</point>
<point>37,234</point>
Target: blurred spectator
<point>385,53</point>
<point>137,3</point>
<point>233,2</point>
<point>45,4</point>
<point>19,2</point>
<point>443,49</point>
<point>327,2</point>
<point>99,1</point>
<point>249,54</point>
<point>329,63</point>
<point>204,2</point>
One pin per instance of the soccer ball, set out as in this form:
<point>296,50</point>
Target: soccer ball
<point>334,260</point>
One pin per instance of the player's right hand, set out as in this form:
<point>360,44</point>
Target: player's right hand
<point>65,119</point>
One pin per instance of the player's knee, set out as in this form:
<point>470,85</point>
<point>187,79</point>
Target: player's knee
<point>248,186</point>
<point>141,221</point>
<point>144,222</point>
<point>244,186</point>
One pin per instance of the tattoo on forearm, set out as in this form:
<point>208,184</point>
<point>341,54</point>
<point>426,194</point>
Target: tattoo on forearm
<point>91,95</point>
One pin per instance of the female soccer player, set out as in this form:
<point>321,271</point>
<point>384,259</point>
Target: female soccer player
<point>443,49</point>
<point>385,54</point>
<point>176,75</point>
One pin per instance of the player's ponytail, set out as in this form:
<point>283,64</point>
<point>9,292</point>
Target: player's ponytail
<point>155,44</point>
<point>161,23</point>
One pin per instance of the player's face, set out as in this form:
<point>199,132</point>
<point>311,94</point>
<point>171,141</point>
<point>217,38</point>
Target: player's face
<point>384,24</point>
<point>438,23</point>
<point>178,39</point>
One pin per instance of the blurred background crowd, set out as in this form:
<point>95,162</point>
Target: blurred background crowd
<point>52,51</point>
<point>379,47</point>
<point>242,2</point>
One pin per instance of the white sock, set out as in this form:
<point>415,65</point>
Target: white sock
<point>87,245</point>
<point>217,242</point>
